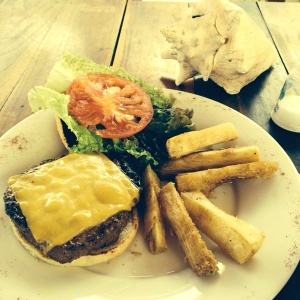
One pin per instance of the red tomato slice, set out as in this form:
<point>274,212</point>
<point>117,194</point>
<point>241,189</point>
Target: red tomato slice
<point>122,107</point>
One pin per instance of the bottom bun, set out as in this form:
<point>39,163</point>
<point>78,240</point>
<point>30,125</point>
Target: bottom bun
<point>127,235</point>
<point>67,137</point>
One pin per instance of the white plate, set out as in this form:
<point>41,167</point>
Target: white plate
<point>271,205</point>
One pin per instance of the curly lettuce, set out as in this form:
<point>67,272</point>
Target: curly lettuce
<point>148,146</point>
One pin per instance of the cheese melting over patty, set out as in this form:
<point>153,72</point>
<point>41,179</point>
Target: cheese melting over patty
<point>64,197</point>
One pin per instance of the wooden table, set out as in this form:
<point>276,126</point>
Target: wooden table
<point>34,34</point>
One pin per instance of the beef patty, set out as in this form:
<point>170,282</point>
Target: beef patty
<point>92,241</point>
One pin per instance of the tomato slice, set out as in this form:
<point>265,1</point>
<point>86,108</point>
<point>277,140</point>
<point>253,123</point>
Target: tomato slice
<point>120,107</point>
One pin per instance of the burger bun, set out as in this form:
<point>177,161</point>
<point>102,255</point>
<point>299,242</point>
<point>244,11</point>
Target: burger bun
<point>126,237</point>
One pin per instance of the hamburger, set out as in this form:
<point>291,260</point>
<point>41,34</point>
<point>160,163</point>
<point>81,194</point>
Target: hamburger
<point>77,210</point>
<point>109,121</point>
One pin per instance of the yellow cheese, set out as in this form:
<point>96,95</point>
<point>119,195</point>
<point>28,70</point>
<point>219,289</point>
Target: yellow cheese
<point>64,197</point>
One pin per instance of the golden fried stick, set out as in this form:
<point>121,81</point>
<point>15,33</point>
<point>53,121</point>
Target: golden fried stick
<point>207,180</point>
<point>238,238</point>
<point>211,159</point>
<point>154,229</point>
<point>199,257</point>
<point>189,142</point>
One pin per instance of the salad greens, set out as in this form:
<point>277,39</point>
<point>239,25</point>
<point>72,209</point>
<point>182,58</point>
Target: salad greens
<point>148,146</point>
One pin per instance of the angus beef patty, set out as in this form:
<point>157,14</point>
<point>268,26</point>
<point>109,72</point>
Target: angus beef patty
<point>97,224</point>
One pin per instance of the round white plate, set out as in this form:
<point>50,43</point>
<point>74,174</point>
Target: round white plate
<point>271,205</point>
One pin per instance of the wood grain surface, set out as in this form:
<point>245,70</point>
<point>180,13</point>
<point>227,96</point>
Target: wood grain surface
<point>141,43</point>
<point>284,24</point>
<point>34,34</point>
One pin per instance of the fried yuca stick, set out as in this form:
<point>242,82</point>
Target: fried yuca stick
<point>207,180</point>
<point>192,141</point>
<point>154,229</point>
<point>199,257</point>
<point>238,238</point>
<point>211,159</point>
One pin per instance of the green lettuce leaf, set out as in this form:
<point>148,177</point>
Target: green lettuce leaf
<point>148,146</point>
<point>71,67</point>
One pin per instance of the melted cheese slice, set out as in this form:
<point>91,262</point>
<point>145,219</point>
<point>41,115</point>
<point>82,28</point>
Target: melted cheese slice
<point>64,197</point>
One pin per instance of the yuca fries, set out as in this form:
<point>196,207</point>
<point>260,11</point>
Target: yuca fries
<point>207,180</point>
<point>198,171</point>
<point>154,230</point>
<point>211,159</point>
<point>236,237</point>
<point>199,257</point>
<point>189,142</point>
